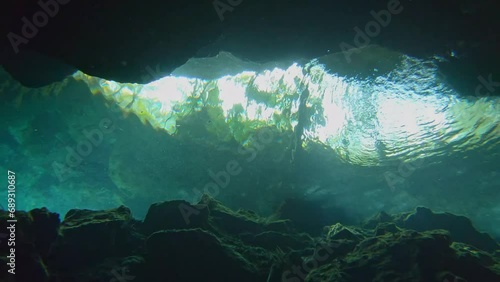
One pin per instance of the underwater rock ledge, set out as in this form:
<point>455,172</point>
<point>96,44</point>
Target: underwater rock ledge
<point>178,241</point>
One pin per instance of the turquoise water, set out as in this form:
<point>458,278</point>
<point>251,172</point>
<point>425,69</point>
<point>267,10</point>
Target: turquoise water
<point>389,136</point>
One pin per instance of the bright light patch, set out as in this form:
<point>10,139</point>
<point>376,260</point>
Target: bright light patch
<point>403,115</point>
<point>231,93</point>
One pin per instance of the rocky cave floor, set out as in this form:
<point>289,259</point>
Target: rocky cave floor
<point>178,241</point>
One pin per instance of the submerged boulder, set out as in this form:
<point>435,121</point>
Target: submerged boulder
<point>422,219</point>
<point>89,237</point>
<point>220,244</point>
<point>460,227</point>
<point>194,255</point>
<point>174,215</point>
